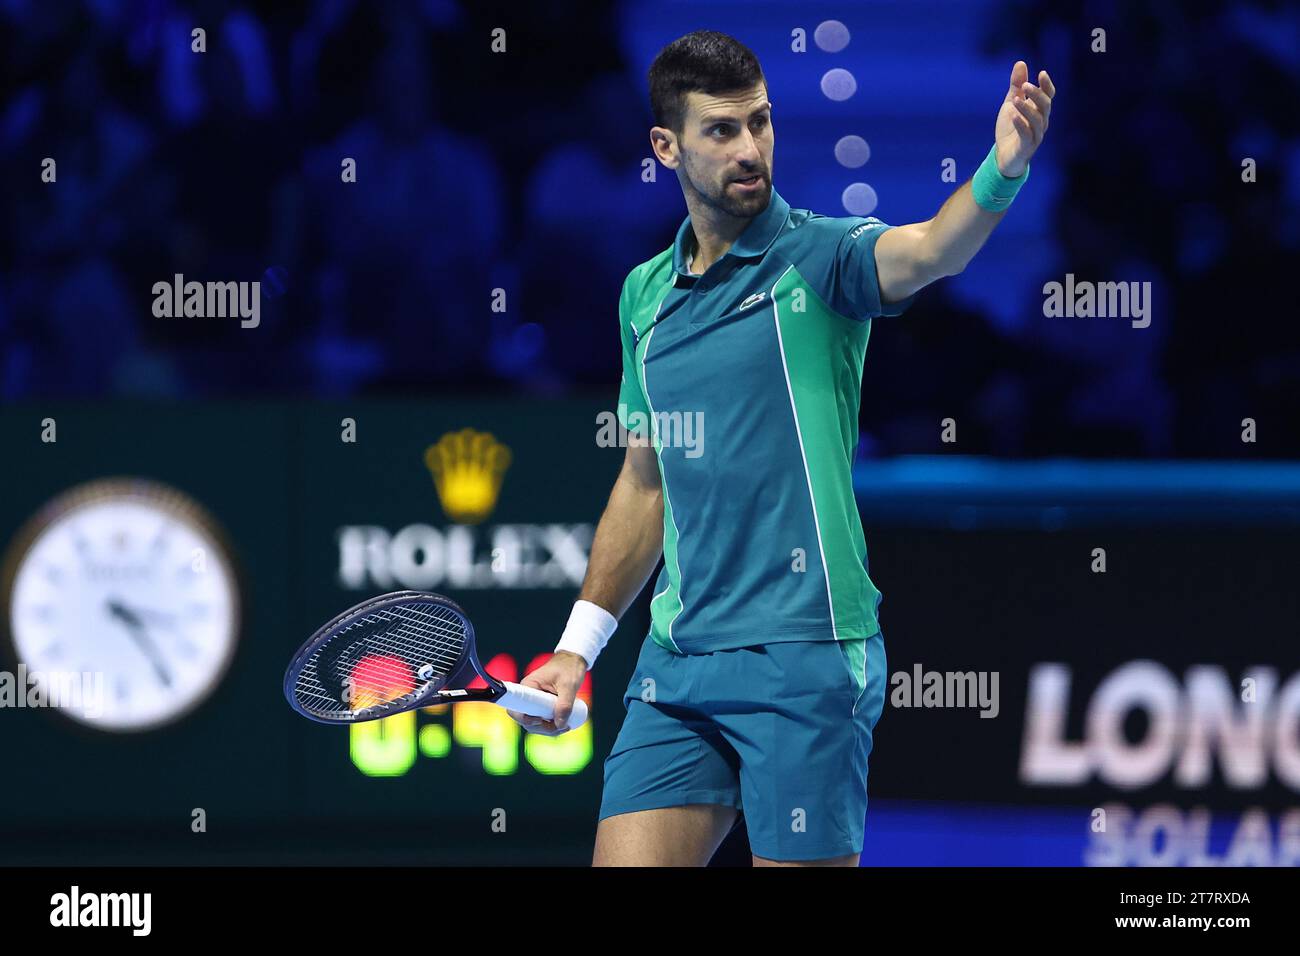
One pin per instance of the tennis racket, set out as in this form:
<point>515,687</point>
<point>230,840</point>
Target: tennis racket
<point>398,652</point>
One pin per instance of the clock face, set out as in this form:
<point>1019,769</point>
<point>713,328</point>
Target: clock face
<point>122,589</point>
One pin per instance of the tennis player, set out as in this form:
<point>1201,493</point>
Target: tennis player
<point>763,675</point>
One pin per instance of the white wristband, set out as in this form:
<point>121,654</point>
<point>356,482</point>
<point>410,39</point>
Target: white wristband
<point>588,631</point>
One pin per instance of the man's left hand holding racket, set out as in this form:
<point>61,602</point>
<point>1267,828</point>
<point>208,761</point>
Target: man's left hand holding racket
<point>562,675</point>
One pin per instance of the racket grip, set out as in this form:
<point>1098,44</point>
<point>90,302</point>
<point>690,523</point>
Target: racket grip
<point>539,703</point>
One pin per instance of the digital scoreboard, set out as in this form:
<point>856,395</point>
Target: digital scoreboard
<point>390,747</point>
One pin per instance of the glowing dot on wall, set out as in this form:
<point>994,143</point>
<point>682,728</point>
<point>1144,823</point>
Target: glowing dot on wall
<point>852,151</point>
<point>831,35</point>
<point>859,199</point>
<point>838,84</point>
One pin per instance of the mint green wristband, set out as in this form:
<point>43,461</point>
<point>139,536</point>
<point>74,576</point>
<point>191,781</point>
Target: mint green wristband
<point>992,190</point>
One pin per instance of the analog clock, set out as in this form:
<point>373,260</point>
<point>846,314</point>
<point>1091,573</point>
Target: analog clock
<point>124,590</point>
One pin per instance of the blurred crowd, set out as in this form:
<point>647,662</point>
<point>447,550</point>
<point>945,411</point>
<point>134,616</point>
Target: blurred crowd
<point>522,173</point>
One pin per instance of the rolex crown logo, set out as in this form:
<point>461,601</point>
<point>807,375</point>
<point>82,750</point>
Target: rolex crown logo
<point>467,468</point>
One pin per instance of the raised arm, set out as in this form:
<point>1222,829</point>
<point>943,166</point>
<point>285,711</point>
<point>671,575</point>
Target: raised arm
<point>910,257</point>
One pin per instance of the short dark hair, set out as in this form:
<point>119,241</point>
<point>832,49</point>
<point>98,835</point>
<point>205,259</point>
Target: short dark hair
<point>701,62</point>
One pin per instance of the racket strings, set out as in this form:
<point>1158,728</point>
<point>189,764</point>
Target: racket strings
<point>375,659</point>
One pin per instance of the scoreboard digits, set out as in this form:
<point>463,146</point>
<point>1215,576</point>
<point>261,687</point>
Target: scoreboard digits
<point>390,747</point>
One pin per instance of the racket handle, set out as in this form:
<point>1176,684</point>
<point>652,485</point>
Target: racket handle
<point>539,703</point>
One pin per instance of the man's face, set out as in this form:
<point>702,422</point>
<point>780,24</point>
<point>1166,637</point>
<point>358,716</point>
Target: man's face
<point>726,150</point>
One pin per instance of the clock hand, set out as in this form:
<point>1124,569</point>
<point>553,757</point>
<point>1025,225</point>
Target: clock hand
<point>150,614</point>
<point>135,628</point>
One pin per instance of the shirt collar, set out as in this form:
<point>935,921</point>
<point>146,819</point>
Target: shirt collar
<point>754,241</point>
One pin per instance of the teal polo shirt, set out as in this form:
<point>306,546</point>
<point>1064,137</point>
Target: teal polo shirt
<point>748,379</point>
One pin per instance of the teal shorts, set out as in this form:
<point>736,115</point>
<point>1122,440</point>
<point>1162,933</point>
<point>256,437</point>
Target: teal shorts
<point>779,731</point>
